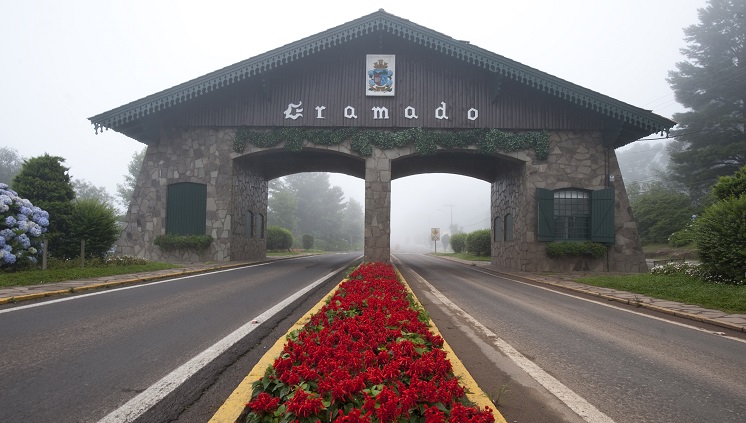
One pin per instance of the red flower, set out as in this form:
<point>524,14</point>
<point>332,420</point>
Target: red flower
<point>433,415</point>
<point>303,404</point>
<point>367,352</point>
<point>263,403</point>
<point>353,417</point>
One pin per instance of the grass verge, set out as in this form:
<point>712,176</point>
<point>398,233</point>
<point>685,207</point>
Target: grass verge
<point>680,288</point>
<point>464,256</point>
<point>36,277</point>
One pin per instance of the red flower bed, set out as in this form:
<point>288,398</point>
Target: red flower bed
<point>366,356</point>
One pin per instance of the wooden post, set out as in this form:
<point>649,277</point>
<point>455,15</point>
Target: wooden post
<point>44,246</point>
<point>82,253</point>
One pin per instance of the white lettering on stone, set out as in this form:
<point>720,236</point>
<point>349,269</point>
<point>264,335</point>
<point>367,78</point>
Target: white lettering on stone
<point>350,112</point>
<point>319,110</point>
<point>380,113</point>
<point>409,113</point>
<point>472,114</point>
<point>440,112</point>
<point>294,111</point>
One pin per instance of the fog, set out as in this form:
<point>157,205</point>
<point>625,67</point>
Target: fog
<point>422,202</point>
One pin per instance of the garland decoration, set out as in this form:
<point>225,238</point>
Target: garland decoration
<point>362,141</point>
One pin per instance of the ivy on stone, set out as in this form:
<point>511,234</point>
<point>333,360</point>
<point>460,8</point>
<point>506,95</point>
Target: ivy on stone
<point>362,141</point>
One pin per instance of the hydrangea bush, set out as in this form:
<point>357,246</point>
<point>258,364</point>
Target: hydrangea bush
<point>21,227</point>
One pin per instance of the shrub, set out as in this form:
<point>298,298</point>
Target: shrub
<point>720,234</point>
<point>479,242</point>
<point>307,242</point>
<point>21,227</point>
<point>458,242</point>
<point>566,248</point>
<point>446,241</point>
<point>279,238</point>
<point>95,222</point>
<point>171,242</point>
<point>731,186</point>
<point>682,237</point>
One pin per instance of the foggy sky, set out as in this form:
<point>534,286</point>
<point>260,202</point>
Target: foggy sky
<point>65,61</point>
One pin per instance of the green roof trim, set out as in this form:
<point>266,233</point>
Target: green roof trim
<point>381,21</point>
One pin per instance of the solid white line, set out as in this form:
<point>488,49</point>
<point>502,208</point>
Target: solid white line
<point>575,402</point>
<point>138,405</point>
<point>603,302</point>
<point>141,285</point>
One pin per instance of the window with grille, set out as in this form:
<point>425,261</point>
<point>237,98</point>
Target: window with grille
<point>575,215</point>
<point>572,214</point>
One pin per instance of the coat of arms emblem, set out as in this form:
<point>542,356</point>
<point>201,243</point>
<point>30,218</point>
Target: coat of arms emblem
<point>380,70</point>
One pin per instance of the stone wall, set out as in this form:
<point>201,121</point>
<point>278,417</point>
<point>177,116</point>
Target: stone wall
<point>249,195</point>
<point>196,155</point>
<point>206,156</point>
<point>576,160</point>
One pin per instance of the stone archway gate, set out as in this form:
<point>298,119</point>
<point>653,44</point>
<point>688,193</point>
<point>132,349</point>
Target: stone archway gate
<point>380,98</point>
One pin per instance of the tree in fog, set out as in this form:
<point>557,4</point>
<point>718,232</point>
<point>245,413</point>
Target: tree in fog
<point>353,222</point>
<point>659,212</point>
<point>310,205</point>
<point>710,138</point>
<point>10,164</point>
<point>282,206</point>
<point>85,190</point>
<point>125,190</point>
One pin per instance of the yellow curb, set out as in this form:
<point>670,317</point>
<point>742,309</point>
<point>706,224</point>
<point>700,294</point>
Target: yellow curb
<point>474,393</point>
<point>232,408</point>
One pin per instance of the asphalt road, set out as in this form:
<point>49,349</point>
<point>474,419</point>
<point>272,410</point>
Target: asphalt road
<point>80,359</point>
<point>630,366</point>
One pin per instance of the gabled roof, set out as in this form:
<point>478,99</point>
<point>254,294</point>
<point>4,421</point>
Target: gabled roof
<point>128,117</point>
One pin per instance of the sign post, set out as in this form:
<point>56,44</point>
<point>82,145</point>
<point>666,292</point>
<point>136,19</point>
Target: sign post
<point>435,236</point>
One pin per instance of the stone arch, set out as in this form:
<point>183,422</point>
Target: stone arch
<point>253,170</point>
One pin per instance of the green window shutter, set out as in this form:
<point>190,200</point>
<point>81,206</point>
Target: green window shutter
<point>186,208</point>
<point>545,214</point>
<point>498,225</point>
<point>602,216</point>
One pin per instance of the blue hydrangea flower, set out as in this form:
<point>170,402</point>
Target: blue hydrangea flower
<point>25,242</point>
<point>8,257</point>
<point>10,222</point>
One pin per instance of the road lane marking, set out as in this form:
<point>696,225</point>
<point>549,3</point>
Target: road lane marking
<point>144,401</point>
<point>719,334</point>
<point>575,402</point>
<point>140,285</point>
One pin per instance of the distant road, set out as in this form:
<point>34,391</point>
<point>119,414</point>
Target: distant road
<point>629,366</point>
<point>79,360</point>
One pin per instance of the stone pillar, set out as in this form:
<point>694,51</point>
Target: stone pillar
<point>377,208</point>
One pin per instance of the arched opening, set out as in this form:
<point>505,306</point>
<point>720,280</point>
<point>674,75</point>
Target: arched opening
<point>297,191</point>
<point>452,203</point>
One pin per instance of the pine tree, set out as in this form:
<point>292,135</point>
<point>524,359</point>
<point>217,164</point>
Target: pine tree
<point>710,138</point>
<point>45,182</point>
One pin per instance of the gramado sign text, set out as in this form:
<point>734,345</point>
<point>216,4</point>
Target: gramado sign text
<point>296,110</point>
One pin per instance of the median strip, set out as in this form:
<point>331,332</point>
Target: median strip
<point>364,354</point>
